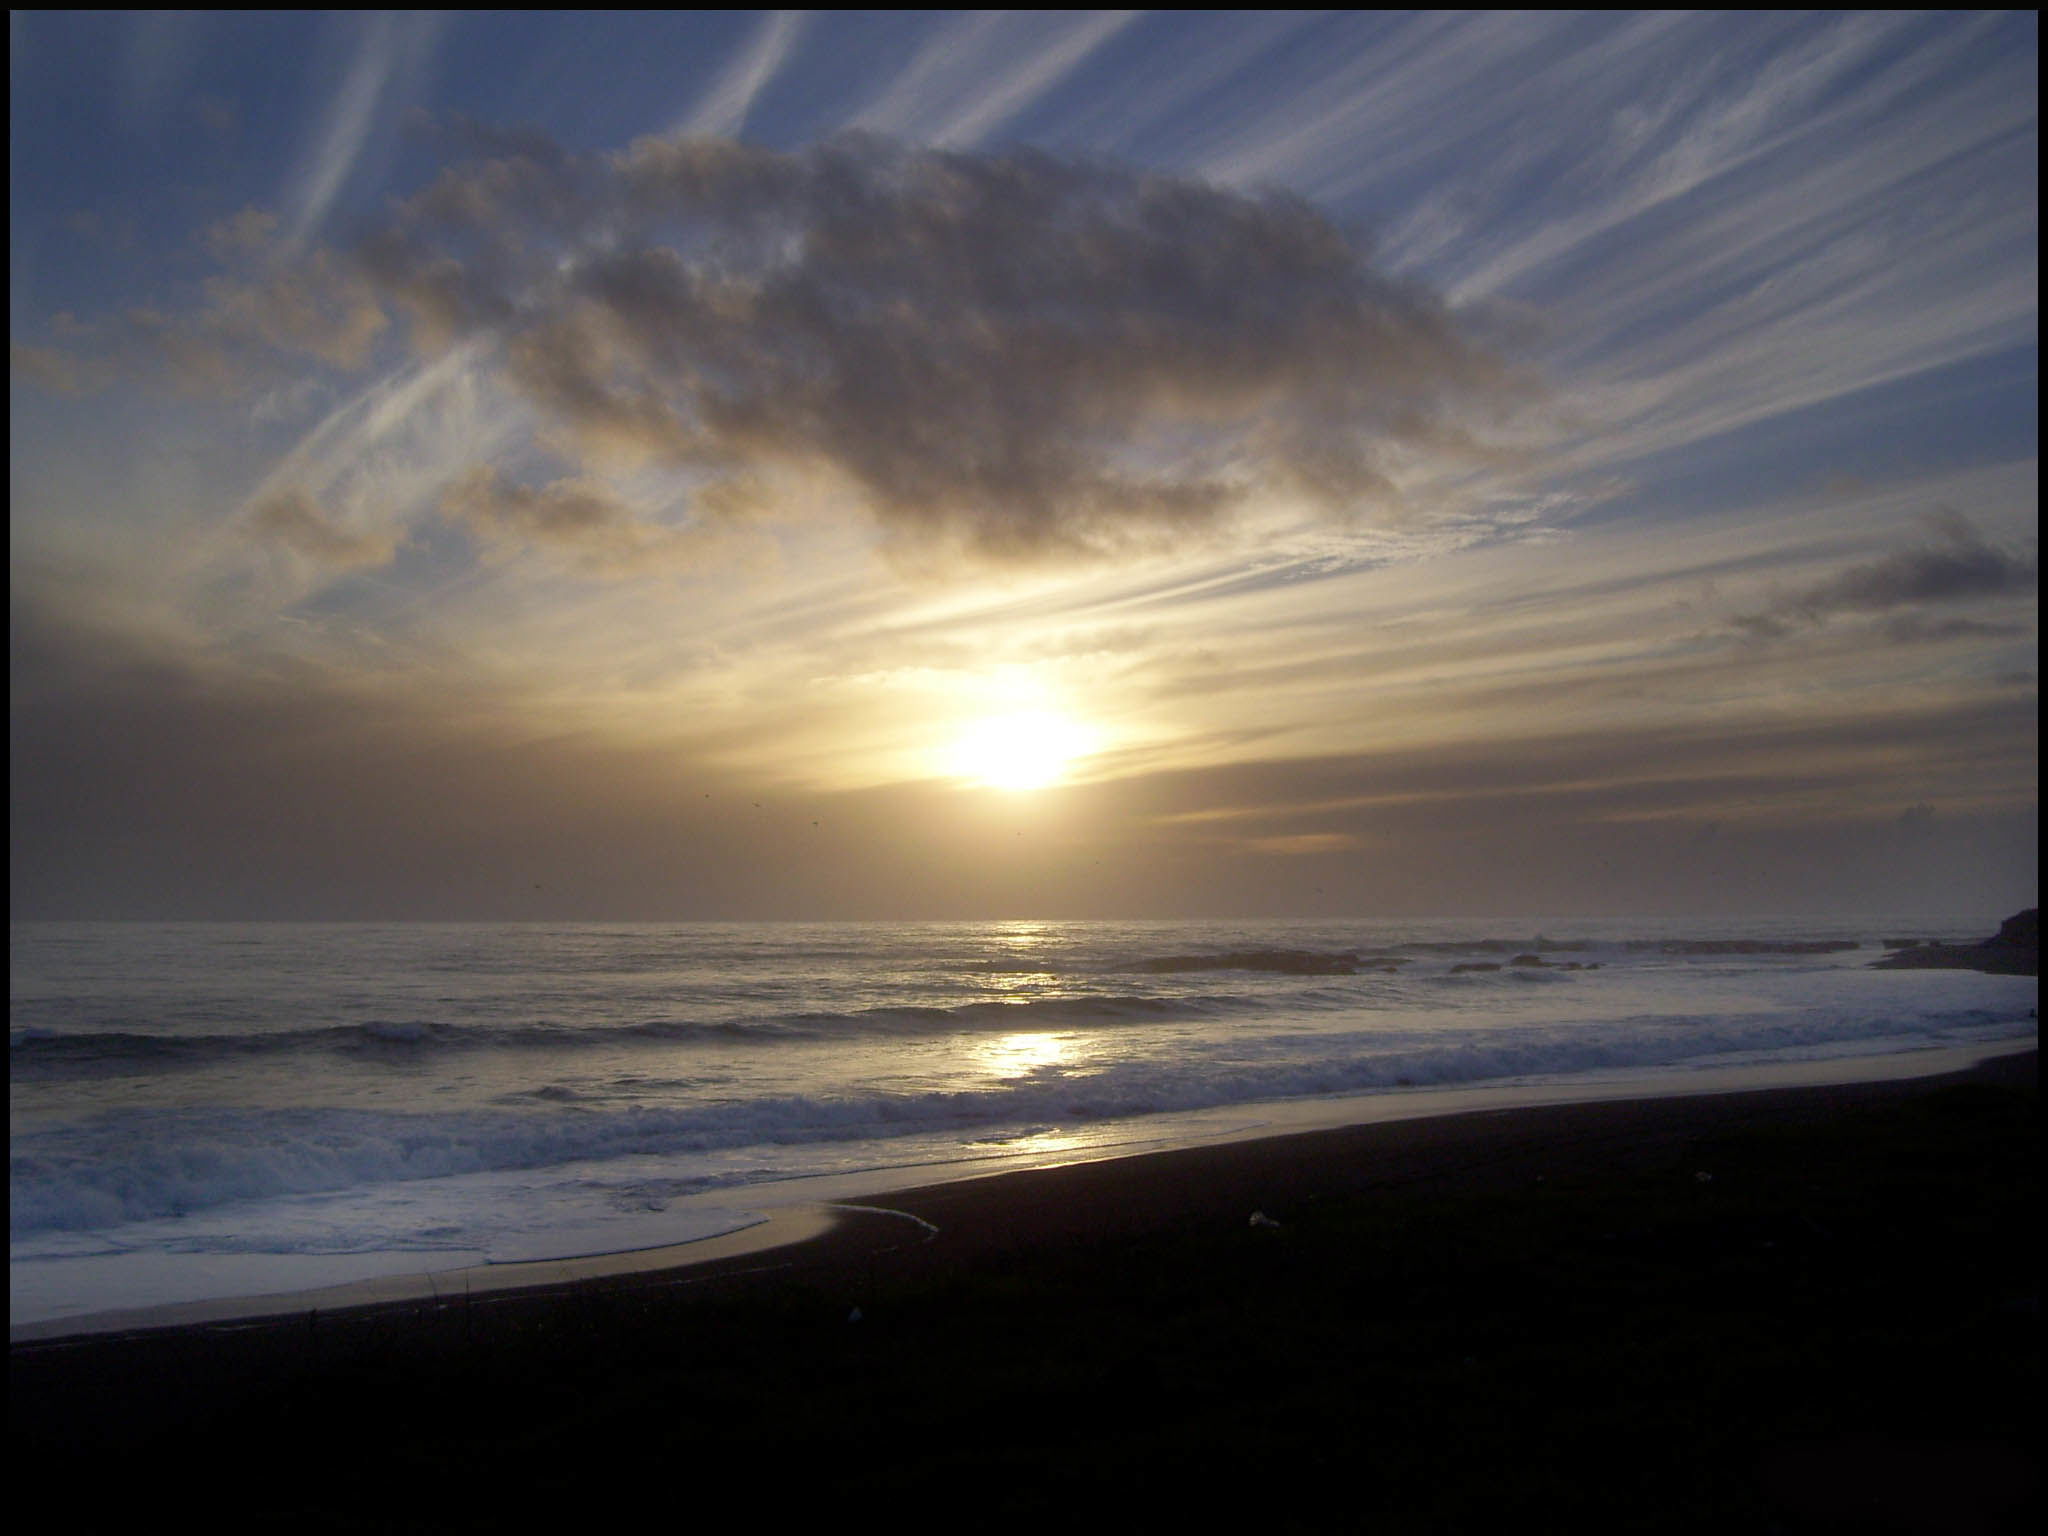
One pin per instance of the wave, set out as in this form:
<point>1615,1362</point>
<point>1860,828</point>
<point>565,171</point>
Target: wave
<point>1100,997</point>
<point>1285,962</point>
<point>43,1053</point>
<point>139,1165</point>
<point>1744,946</point>
<point>1347,961</point>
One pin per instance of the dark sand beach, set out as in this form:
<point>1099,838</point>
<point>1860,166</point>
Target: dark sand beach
<point>1798,1310</point>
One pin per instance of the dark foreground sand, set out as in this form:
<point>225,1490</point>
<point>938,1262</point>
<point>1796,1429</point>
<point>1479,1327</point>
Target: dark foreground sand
<point>1800,1310</point>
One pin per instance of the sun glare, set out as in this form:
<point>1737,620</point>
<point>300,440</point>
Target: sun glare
<point>1031,749</point>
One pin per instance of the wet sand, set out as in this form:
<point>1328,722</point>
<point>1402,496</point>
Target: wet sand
<point>1801,1309</point>
<point>786,1213</point>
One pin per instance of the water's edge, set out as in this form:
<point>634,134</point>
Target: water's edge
<point>796,1210</point>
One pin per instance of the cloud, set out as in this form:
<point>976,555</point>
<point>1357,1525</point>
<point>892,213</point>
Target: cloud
<point>240,234</point>
<point>1957,564</point>
<point>317,306</point>
<point>725,106</point>
<point>580,517</point>
<point>1761,772</point>
<point>52,371</point>
<point>1913,629</point>
<point>294,520</point>
<point>391,55</point>
<point>243,331</point>
<point>985,68</point>
<point>157,52</point>
<point>1303,843</point>
<point>1014,355</point>
<point>163,773</point>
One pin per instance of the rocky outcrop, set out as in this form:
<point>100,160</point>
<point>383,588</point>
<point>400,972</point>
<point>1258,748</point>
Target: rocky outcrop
<point>2020,931</point>
<point>2015,950</point>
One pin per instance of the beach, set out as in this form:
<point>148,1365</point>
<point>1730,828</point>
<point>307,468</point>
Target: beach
<point>205,1113</point>
<point>1800,1309</point>
<point>1025,770</point>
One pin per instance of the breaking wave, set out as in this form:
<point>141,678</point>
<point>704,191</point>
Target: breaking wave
<point>143,1165</point>
<point>45,1052</point>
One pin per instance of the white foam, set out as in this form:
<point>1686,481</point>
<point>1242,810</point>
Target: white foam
<point>124,1170</point>
<point>562,1124</point>
<point>103,1291</point>
<point>263,1248</point>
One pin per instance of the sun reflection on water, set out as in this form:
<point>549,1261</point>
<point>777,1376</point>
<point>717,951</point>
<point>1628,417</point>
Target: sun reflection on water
<point>1022,1054</point>
<point>1019,982</point>
<point>1051,1142</point>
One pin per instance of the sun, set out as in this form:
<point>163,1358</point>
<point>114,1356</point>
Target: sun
<point>1026,749</point>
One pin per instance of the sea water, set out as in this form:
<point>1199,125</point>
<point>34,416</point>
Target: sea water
<point>212,1110</point>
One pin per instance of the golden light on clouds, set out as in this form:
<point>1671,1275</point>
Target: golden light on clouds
<point>1089,526</point>
<point>1019,750</point>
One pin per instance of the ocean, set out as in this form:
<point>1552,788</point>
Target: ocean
<point>220,1110</point>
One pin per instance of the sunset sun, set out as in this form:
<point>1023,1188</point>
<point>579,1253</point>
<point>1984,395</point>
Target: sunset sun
<point>1025,749</point>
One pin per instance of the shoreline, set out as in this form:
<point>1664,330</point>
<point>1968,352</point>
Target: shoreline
<point>1804,1310</point>
<point>820,1219</point>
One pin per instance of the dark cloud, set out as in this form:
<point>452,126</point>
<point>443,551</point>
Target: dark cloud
<point>1759,770</point>
<point>296,521</point>
<point>579,517</point>
<point>1917,629</point>
<point>1014,354</point>
<point>1956,564</point>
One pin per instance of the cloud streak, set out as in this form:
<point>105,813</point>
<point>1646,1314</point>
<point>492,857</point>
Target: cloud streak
<point>723,111</point>
<point>1957,564</point>
<point>423,583</point>
<point>297,522</point>
<point>983,69</point>
<point>581,518</point>
<point>392,51</point>
<point>1738,218</point>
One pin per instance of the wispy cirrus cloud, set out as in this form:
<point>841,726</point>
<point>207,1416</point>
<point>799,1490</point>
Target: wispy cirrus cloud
<point>584,519</point>
<point>158,50</point>
<point>722,111</point>
<point>389,58</point>
<point>983,69</point>
<point>295,521</point>
<point>463,490</point>
<point>1800,208</point>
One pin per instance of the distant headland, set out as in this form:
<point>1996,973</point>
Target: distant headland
<point>2015,950</point>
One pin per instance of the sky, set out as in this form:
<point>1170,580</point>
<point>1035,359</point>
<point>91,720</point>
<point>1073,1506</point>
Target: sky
<point>903,465</point>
